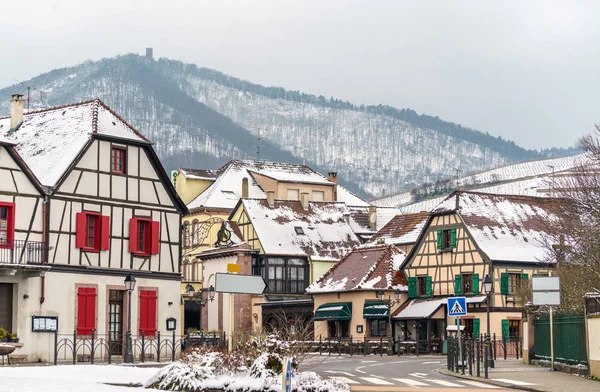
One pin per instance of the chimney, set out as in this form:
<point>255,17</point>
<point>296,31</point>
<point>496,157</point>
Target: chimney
<point>149,53</point>
<point>332,176</point>
<point>271,198</point>
<point>304,199</point>
<point>245,188</point>
<point>373,217</point>
<point>16,111</point>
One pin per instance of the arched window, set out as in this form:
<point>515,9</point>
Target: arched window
<point>195,229</point>
<point>186,234</point>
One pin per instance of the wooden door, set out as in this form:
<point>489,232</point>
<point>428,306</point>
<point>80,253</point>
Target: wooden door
<point>115,321</point>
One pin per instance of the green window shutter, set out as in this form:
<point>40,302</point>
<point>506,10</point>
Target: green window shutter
<point>412,287</point>
<point>524,276</point>
<point>439,239</point>
<point>475,327</point>
<point>429,286</point>
<point>453,238</point>
<point>535,275</point>
<point>504,283</point>
<point>475,284</point>
<point>458,285</point>
<point>504,329</point>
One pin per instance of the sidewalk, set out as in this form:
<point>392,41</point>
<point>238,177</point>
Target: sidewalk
<point>515,374</point>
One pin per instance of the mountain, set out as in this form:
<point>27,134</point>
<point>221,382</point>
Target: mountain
<point>198,117</point>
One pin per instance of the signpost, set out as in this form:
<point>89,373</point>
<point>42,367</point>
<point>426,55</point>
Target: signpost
<point>286,375</point>
<point>546,291</point>
<point>457,307</point>
<point>237,284</point>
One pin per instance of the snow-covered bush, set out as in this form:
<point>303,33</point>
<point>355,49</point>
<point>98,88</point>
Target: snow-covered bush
<point>263,376</point>
<point>180,376</point>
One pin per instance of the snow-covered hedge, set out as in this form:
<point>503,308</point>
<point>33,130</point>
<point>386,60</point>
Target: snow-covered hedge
<point>255,367</point>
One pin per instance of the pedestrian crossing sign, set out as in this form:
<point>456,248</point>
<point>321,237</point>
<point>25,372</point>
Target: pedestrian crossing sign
<point>457,306</point>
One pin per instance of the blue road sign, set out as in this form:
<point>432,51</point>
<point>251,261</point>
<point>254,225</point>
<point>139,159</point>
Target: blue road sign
<point>457,306</point>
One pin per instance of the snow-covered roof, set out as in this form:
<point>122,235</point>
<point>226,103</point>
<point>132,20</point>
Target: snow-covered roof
<point>199,174</point>
<point>320,231</point>
<point>419,309</point>
<point>227,187</point>
<point>49,140</point>
<point>402,229</point>
<point>5,140</point>
<point>366,267</point>
<point>505,227</point>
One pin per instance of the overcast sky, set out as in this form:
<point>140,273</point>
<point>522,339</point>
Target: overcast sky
<point>525,70</point>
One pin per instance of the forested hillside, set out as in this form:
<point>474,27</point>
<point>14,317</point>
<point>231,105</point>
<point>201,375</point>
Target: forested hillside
<point>202,118</point>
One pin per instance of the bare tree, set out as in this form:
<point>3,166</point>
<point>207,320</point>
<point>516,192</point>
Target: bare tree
<point>577,243</point>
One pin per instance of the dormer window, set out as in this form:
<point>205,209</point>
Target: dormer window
<point>299,230</point>
<point>117,160</point>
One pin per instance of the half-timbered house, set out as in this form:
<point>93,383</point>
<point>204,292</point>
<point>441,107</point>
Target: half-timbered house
<point>109,210</point>
<point>22,204</point>
<point>346,302</point>
<point>466,237</point>
<point>211,195</point>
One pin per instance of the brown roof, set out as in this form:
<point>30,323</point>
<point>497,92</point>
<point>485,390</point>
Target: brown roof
<point>372,267</point>
<point>402,229</point>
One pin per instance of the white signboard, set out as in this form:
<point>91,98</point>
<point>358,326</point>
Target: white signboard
<point>546,290</point>
<point>546,297</point>
<point>239,284</point>
<point>545,283</point>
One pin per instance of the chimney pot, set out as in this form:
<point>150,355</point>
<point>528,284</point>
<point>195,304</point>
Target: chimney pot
<point>271,198</point>
<point>245,188</point>
<point>332,176</point>
<point>16,111</point>
<point>304,199</point>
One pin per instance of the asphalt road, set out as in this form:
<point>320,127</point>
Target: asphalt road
<point>375,373</point>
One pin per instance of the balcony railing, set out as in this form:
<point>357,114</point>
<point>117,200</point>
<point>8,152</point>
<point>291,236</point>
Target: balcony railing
<point>21,252</point>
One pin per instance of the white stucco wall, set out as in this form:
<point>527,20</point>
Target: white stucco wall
<point>60,300</point>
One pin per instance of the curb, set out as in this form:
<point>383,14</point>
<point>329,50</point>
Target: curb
<point>489,381</point>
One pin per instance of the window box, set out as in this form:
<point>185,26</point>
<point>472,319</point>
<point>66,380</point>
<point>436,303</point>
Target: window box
<point>92,231</point>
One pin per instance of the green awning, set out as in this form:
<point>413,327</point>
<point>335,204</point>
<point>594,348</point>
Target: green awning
<point>334,311</point>
<point>376,310</point>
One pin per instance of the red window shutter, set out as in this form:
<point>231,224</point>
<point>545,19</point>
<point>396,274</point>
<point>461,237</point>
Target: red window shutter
<point>105,235</point>
<point>133,235</point>
<point>80,228</point>
<point>10,235</point>
<point>147,312</point>
<point>155,241</point>
<point>86,310</point>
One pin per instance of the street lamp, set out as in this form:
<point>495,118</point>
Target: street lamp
<point>390,303</point>
<point>488,284</point>
<point>197,297</point>
<point>129,285</point>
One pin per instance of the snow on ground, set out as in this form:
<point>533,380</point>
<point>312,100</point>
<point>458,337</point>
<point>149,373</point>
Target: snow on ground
<point>85,378</point>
